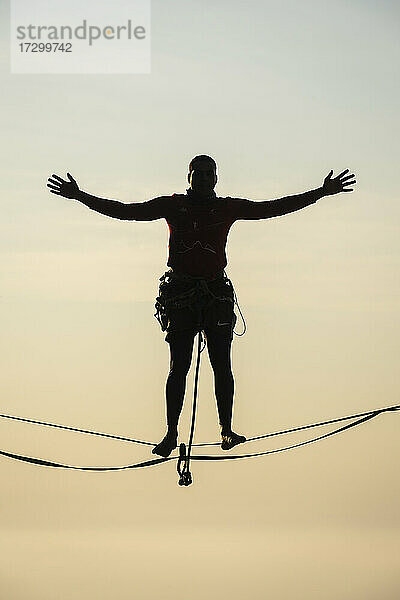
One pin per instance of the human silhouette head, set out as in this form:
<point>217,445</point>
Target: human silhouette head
<point>202,175</point>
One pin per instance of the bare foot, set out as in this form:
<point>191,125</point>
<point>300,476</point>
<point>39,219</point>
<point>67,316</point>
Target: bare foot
<point>167,444</point>
<point>231,439</point>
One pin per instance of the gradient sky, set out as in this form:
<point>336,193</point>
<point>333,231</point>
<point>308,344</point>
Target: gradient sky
<point>278,93</point>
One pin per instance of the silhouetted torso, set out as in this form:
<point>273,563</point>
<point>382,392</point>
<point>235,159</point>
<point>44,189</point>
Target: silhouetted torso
<point>199,226</point>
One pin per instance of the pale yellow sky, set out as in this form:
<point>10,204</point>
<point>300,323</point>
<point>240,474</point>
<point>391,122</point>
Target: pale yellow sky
<point>278,93</point>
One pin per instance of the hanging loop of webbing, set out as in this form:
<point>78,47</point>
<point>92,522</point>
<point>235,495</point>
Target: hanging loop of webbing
<point>186,479</point>
<point>185,476</point>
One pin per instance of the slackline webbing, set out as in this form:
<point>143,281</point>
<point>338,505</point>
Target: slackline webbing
<point>249,439</point>
<point>361,418</point>
<point>78,430</point>
<point>49,463</point>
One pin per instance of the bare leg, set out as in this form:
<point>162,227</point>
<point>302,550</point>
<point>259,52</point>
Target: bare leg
<point>219,350</point>
<point>181,348</point>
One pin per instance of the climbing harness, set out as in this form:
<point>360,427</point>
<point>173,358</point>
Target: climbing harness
<point>180,291</point>
<point>359,418</point>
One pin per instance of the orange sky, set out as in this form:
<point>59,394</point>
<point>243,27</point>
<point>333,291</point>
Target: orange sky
<point>278,94</point>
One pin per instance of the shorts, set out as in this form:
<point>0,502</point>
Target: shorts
<point>187,305</point>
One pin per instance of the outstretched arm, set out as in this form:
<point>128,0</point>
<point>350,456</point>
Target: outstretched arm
<point>138,211</point>
<point>247,209</point>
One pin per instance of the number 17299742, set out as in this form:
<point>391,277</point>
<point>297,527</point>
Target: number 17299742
<point>45,47</point>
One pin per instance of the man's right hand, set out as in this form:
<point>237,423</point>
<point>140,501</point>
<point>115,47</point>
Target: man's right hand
<point>68,189</point>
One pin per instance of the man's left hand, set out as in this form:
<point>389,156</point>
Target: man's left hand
<point>340,183</point>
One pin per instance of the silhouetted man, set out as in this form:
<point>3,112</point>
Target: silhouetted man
<point>195,294</point>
